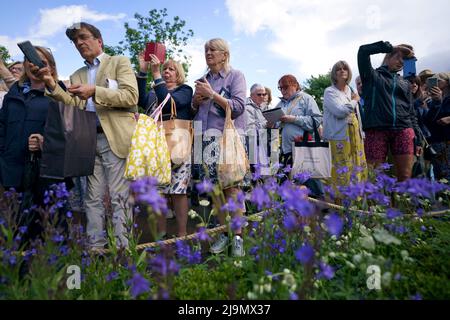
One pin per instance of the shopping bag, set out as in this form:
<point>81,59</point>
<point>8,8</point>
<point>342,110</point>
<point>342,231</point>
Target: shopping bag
<point>233,161</point>
<point>178,134</point>
<point>313,156</point>
<point>149,154</point>
<point>70,139</point>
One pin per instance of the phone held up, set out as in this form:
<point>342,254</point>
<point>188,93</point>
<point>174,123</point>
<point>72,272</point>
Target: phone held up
<point>432,82</point>
<point>31,54</point>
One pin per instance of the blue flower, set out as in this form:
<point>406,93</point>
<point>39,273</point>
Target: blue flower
<point>302,177</point>
<point>334,224</point>
<point>290,222</point>
<point>138,285</point>
<point>112,276</point>
<point>260,197</point>
<point>342,170</point>
<point>237,222</point>
<point>23,229</point>
<point>304,254</point>
<point>393,213</point>
<point>326,271</point>
<point>293,296</point>
<point>205,186</point>
<point>202,235</point>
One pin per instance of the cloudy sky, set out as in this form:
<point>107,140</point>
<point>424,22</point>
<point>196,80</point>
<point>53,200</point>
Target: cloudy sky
<point>268,38</point>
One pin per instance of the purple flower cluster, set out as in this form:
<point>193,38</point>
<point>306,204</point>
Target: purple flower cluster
<point>138,285</point>
<point>304,254</point>
<point>334,224</point>
<point>184,252</point>
<point>260,196</point>
<point>145,191</point>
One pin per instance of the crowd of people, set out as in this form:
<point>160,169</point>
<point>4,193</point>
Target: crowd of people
<point>387,118</point>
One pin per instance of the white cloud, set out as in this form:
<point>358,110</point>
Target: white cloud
<point>315,34</point>
<point>52,21</point>
<point>55,21</point>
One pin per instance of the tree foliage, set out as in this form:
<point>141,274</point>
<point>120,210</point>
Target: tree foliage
<point>4,54</point>
<point>315,86</point>
<point>154,27</point>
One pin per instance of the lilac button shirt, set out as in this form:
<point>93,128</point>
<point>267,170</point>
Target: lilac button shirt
<point>232,86</point>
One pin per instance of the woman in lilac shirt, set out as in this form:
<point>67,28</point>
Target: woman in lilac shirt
<point>221,87</point>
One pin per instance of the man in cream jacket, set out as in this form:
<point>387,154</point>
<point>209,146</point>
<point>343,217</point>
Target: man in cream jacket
<point>105,85</point>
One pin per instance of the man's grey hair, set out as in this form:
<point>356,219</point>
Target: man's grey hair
<point>255,87</point>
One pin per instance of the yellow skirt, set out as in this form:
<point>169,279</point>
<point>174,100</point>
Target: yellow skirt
<point>349,160</point>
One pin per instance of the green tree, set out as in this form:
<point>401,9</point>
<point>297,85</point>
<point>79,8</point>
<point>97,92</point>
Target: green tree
<point>316,86</point>
<point>4,55</point>
<point>155,27</point>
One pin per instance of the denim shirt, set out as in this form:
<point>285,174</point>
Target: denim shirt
<point>304,108</point>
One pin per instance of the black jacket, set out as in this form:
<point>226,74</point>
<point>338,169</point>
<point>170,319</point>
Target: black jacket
<point>22,115</point>
<point>388,102</point>
<point>439,133</point>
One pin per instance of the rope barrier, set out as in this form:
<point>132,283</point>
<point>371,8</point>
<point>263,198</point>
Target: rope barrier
<point>222,228</point>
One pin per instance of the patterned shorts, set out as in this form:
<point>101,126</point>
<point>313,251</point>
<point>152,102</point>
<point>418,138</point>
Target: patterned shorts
<point>181,179</point>
<point>378,143</point>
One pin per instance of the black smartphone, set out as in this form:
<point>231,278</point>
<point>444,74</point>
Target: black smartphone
<point>31,54</point>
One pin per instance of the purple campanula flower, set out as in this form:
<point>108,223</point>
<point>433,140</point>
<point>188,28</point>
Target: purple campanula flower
<point>326,271</point>
<point>205,186</point>
<point>342,170</point>
<point>202,235</point>
<point>293,296</point>
<point>302,177</point>
<point>260,197</point>
<point>334,224</point>
<point>112,276</point>
<point>392,213</point>
<point>23,229</point>
<point>290,222</point>
<point>138,285</point>
<point>304,254</point>
<point>237,222</point>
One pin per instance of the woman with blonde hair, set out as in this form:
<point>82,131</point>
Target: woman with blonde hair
<point>222,87</point>
<point>342,128</point>
<point>170,81</point>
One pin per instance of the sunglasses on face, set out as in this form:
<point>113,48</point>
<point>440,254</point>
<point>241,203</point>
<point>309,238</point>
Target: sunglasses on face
<point>261,94</point>
<point>281,88</point>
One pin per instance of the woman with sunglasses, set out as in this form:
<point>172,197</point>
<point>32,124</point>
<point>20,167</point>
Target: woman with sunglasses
<point>300,111</point>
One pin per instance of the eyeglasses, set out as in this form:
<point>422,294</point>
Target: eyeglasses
<point>281,88</point>
<point>19,69</point>
<point>261,94</point>
<point>82,37</point>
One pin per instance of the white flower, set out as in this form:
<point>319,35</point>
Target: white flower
<point>251,295</point>
<point>204,203</point>
<point>338,243</point>
<point>192,214</point>
<point>307,229</point>
<point>367,242</point>
<point>238,263</point>
<point>268,287</point>
<point>332,254</point>
<point>381,235</point>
